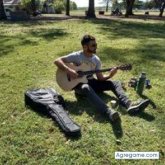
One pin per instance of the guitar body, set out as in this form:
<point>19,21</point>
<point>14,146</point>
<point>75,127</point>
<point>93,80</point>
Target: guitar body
<point>65,82</point>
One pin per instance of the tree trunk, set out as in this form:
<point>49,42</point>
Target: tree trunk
<point>162,9</point>
<point>68,7</point>
<point>2,12</point>
<point>129,6</point>
<point>33,7</point>
<point>107,6</point>
<point>91,9</point>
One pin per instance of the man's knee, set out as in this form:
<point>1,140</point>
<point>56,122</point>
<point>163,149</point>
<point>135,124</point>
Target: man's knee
<point>86,88</point>
<point>83,89</point>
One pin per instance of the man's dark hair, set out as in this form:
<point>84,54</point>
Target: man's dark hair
<point>86,39</point>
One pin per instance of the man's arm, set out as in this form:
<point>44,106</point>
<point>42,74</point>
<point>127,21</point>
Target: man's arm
<point>101,77</point>
<point>60,63</point>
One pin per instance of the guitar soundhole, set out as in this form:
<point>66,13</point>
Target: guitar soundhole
<point>68,77</point>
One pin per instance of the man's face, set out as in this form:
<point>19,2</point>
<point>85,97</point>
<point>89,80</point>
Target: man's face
<point>91,47</point>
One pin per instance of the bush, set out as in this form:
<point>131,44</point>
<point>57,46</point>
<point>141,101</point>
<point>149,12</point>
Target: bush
<point>30,5</point>
<point>73,6</point>
<point>59,7</point>
<point>26,5</point>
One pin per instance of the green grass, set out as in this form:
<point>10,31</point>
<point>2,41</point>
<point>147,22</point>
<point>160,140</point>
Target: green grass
<point>27,52</point>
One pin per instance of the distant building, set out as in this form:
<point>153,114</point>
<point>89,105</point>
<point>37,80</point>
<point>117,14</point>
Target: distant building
<point>13,10</point>
<point>11,6</point>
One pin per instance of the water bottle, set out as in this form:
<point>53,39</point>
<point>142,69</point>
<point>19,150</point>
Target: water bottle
<point>141,83</point>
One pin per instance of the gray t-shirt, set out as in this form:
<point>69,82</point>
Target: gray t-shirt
<point>78,58</point>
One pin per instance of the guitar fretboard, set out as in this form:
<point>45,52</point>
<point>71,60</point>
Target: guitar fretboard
<point>83,73</point>
<point>122,67</point>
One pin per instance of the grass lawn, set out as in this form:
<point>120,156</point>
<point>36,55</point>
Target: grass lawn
<point>27,52</point>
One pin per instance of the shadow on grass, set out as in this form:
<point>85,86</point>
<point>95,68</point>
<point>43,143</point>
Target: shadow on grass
<point>117,129</point>
<point>9,43</point>
<point>143,55</point>
<point>116,29</point>
<point>46,114</point>
<point>151,101</point>
<point>30,23</point>
<point>5,48</point>
<point>115,55</point>
<point>49,34</point>
<point>145,115</point>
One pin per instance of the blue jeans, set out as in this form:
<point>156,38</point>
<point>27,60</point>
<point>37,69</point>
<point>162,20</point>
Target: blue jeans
<point>94,86</point>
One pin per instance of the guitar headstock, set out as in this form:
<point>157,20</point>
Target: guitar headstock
<point>125,67</point>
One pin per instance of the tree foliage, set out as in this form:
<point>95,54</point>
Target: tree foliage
<point>30,5</point>
<point>73,5</point>
<point>59,6</point>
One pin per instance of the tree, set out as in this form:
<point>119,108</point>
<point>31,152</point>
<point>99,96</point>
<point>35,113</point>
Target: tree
<point>161,4</point>
<point>162,8</point>
<point>91,9</point>
<point>2,12</point>
<point>115,4</point>
<point>106,2</point>
<point>150,4</point>
<point>73,6</point>
<point>139,4</point>
<point>68,7</point>
<point>33,7</point>
<point>129,7</point>
<point>59,6</point>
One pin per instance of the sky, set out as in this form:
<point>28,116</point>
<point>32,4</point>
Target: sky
<point>84,3</point>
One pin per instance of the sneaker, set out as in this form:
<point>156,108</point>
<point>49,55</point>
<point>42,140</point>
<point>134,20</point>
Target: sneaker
<point>114,116</point>
<point>138,107</point>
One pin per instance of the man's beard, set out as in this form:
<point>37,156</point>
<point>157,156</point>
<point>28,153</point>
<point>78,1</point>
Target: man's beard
<point>91,51</point>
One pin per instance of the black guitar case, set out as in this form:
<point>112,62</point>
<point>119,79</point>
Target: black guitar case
<point>47,101</point>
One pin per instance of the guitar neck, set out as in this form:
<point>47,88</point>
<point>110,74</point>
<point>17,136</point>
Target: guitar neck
<point>121,67</point>
<point>94,71</point>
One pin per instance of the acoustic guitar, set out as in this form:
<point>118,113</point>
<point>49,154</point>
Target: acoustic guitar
<point>67,83</point>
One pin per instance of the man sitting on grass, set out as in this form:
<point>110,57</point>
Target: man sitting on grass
<point>102,83</point>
